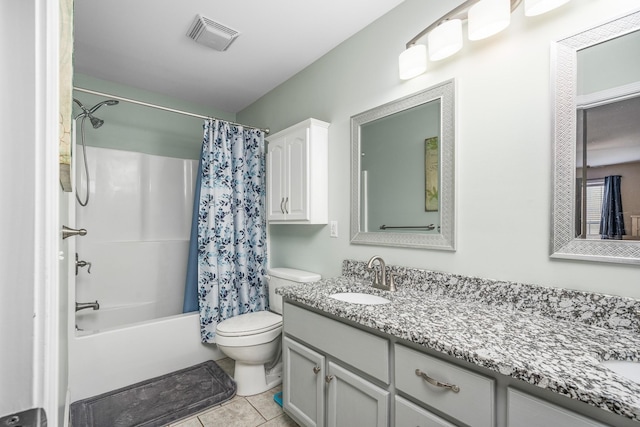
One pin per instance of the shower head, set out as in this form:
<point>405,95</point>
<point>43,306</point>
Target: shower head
<point>95,122</point>
<point>88,112</point>
<point>107,102</point>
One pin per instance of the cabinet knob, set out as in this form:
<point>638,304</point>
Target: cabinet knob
<point>68,232</point>
<point>454,388</point>
<point>316,369</point>
<point>328,378</point>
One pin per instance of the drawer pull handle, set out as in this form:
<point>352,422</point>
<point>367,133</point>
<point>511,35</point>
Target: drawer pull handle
<point>454,388</point>
<point>316,369</point>
<point>328,378</point>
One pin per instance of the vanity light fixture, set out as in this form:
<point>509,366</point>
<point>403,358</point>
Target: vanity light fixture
<point>484,19</point>
<point>413,61</point>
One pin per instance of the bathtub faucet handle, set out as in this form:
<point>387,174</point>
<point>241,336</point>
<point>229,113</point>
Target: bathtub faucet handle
<point>82,264</point>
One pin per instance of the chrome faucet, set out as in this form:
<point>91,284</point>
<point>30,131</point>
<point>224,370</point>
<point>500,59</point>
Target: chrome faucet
<point>83,305</point>
<point>381,282</point>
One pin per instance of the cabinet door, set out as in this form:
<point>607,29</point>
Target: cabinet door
<point>303,386</point>
<point>297,197</point>
<point>276,175</point>
<point>353,401</point>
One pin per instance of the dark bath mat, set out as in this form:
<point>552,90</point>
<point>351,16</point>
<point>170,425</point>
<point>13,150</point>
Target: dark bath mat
<point>158,401</point>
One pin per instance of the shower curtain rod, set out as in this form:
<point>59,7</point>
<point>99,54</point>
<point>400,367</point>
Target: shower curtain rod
<point>160,107</point>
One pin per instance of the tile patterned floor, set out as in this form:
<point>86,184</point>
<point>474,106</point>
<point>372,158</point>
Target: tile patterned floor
<point>250,411</point>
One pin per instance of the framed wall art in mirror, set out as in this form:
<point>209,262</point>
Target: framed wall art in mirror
<point>596,86</point>
<point>402,171</point>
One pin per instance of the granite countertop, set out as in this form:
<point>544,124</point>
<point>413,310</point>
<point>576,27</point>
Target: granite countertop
<point>560,355</point>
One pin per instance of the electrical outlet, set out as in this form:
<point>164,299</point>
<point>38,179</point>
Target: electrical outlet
<point>333,228</point>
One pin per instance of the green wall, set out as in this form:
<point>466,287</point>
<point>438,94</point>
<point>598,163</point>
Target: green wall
<point>138,128</point>
<point>504,145</point>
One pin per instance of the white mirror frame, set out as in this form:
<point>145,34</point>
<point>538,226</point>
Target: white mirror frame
<point>564,244</point>
<point>445,240</point>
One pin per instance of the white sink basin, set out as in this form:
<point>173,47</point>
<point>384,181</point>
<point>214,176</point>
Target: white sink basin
<point>630,370</point>
<point>360,298</point>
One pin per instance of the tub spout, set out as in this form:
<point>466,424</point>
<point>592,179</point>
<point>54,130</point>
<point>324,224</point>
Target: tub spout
<point>83,305</point>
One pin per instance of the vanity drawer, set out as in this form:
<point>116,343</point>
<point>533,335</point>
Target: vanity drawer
<point>409,414</point>
<point>366,352</point>
<point>473,404</point>
<point>527,411</point>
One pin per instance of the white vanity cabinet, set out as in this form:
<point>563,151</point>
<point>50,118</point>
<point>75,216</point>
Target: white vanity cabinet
<point>336,374</point>
<point>298,174</point>
<point>320,385</point>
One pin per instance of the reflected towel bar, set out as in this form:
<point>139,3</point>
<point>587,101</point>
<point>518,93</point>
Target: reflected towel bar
<point>426,227</point>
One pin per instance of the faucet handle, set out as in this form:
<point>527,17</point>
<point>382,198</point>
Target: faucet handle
<point>391,283</point>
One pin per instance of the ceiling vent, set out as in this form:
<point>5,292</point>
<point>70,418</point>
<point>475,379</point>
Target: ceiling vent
<point>211,33</point>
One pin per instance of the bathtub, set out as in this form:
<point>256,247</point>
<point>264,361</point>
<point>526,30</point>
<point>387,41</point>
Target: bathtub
<point>107,359</point>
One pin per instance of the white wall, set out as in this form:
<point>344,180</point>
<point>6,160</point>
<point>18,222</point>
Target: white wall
<point>30,358</point>
<point>504,145</point>
<point>17,184</point>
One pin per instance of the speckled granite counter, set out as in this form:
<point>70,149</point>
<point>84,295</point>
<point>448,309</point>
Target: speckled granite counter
<point>549,337</point>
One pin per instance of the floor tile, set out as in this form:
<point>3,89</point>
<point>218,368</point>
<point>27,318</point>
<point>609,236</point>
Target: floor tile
<point>281,421</point>
<point>227,364</point>
<point>265,404</point>
<point>189,422</point>
<point>235,414</point>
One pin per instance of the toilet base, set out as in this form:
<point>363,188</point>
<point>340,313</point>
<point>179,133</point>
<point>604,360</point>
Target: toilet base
<point>252,379</point>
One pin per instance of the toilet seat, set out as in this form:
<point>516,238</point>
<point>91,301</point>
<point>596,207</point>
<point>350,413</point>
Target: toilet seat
<point>249,329</point>
<point>249,324</point>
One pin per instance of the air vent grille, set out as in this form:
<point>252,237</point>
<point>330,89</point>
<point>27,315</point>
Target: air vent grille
<point>211,33</point>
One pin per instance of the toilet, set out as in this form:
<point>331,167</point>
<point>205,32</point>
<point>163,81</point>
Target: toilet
<point>253,340</point>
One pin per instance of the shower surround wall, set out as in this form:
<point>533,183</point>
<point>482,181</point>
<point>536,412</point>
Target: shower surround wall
<point>138,222</point>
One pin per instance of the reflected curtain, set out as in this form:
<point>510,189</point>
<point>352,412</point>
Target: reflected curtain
<point>228,246</point>
<point>611,219</point>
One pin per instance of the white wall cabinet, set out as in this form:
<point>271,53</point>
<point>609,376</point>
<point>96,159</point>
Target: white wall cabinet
<point>298,174</point>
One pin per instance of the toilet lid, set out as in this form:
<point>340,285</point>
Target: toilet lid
<point>249,324</point>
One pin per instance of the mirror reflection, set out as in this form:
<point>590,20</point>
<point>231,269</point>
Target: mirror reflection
<point>596,83</point>
<point>399,168</point>
<point>608,140</point>
<point>402,171</point>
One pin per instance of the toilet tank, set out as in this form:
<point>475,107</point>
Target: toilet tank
<point>281,277</point>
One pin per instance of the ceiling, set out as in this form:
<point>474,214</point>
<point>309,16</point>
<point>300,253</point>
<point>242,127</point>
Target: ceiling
<point>143,44</point>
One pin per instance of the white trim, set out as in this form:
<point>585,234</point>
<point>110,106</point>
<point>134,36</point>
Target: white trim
<point>46,236</point>
<point>608,96</point>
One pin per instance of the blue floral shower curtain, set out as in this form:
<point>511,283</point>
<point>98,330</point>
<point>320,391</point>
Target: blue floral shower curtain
<point>227,256</point>
<point>612,220</point>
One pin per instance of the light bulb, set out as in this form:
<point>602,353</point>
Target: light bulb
<point>445,39</point>
<point>413,61</point>
<point>488,17</point>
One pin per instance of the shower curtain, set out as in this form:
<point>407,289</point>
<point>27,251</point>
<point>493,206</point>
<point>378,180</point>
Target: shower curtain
<point>226,273</point>
<point>612,220</point>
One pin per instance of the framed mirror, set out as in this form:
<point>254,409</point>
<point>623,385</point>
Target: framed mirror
<point>596,182</point>
<point>402,171</point>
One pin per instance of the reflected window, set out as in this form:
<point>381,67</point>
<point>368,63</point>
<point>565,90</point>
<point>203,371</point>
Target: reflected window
<point>595,191</point>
